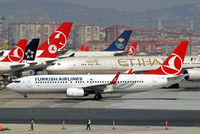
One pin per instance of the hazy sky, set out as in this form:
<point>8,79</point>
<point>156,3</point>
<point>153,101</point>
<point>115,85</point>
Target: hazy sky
<point>132,5</point>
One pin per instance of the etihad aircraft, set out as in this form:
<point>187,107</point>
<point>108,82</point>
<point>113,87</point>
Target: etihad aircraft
<point>81,85</point>
<point>116,48</point>
<point>112,65</point>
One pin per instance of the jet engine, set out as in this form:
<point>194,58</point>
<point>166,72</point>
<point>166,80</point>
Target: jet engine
<point>75,92</point>
<point>194,74</point>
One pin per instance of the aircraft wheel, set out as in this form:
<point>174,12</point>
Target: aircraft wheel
<point>98,96</point>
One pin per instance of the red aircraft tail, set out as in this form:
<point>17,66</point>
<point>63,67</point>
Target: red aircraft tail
<point>173,64</point>
<point>132,49</point>
<point>62,33</point>
<point>17,53</point>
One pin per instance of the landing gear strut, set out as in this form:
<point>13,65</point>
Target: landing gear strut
<point>25,96</point>
<point>97,96</point>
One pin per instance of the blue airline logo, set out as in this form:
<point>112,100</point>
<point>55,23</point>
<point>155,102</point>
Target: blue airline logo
<point>120,43</point>
<point>58,78</point>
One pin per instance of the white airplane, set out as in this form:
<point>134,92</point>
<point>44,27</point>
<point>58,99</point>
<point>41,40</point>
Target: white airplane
<point>112,65</point>
<point>13,61</point>
<point>47,52</point>
<point>81,85</point>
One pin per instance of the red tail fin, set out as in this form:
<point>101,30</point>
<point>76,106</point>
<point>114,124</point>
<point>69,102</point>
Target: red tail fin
<point>17,53</point>
<point>81,48</point>
<point>132,49</point>
<point>86,48</point>
<point>51,51</point>
<point>62,33</point>
<point>173,64</point>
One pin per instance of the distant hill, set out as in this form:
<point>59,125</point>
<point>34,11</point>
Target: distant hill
<point>59,11</point>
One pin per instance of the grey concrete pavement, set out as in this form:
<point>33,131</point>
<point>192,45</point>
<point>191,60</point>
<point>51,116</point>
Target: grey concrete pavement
<point>97,129</point>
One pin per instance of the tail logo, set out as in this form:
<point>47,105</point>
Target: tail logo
<point>131,50</point>
<point>119,43</point>
<point>52,49</point>
<point>174,65</point>
<point>29,54</point>
<point>61,37</point>
<point>17,54</point>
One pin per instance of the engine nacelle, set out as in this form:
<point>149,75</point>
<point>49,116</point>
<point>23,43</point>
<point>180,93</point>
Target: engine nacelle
<point>194,74</point>
<point>75,92</point>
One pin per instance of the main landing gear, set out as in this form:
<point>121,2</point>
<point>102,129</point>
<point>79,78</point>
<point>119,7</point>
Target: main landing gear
<point>98,96</point>
<point>25,96</point>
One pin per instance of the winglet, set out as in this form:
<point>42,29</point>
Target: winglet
<point>17,53</point>
<point>130,71</point>
<point>114,81</point>
<point>173,64</point>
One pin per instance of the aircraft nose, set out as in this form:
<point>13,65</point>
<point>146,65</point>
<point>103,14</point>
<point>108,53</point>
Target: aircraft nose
<point>49,68</point>
<point>10,86</point>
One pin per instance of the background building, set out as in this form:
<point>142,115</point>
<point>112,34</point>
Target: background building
<point>87,32</point>
<point>114,31</point>
<point>17,31</point>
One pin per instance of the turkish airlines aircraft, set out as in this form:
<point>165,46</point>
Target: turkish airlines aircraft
<point>81,85</point>
<point>62,32</point>
<point>13,61</point>
<point>49,49</point>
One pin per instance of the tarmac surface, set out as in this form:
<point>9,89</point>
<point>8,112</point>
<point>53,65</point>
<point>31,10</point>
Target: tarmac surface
<point>181,107</point>
<point>97,129</point>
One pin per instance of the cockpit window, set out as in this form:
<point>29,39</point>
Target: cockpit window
<point>58,64</point>
<point>17,81</point>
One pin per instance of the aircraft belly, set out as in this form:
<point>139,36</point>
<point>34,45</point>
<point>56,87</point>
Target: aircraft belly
<point>38,89</point>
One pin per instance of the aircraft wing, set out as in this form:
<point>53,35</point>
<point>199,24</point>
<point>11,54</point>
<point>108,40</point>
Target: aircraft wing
<point>100,88</point>
<point>62,52</point>
<point>121,53</point>
<point>182,76</point>
<point>17,65</point>
<point>48,62</point>
<point>66,56</point>
<point>32,63</point>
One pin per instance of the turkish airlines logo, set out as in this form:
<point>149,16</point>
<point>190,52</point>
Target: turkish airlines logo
<point>52,49</point>
<point>174,65</point>
<point>131,49</point>
<point>61,37</point>
<point>16,55</point>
